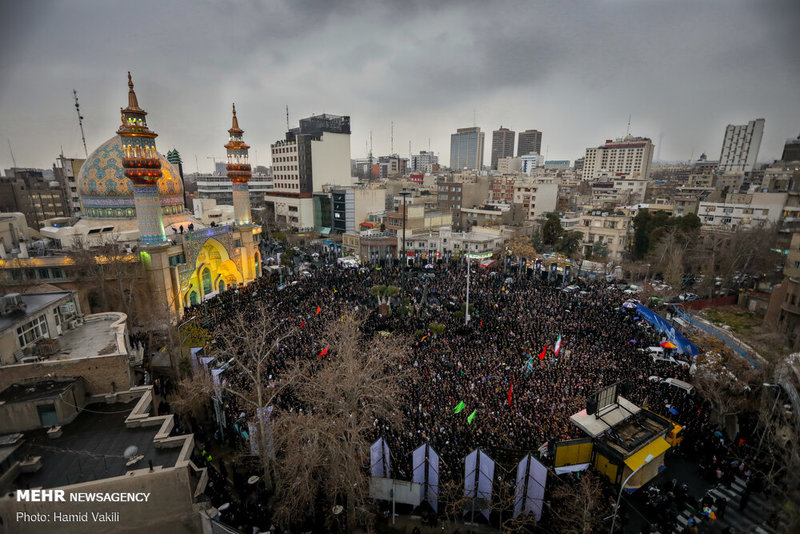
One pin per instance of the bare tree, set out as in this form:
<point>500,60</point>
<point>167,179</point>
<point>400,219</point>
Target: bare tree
<point>116,275</point>
<point>323,439</point>
<point>579,507</point>
<point>250,344</point>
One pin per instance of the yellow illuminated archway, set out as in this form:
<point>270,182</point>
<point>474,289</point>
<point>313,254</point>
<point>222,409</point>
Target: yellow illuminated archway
<point>215,266</point>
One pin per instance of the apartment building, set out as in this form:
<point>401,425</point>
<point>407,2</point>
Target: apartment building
<point>764,208</point>
<point>608,228</point>
<point>740,146</point>
<point>537,196</point>
<point>630,157</point>
<point>456,195</point>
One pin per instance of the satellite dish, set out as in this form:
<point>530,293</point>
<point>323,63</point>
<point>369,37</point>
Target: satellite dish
<point>224,507</point>
<point>253,479</point>
<point>130,451</point>
<point>338,509</point>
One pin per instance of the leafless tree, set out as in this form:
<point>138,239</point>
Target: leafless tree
<point>250,344</point>
<point>579,507</point>
<point>118,277</point>
<point>323,439</point>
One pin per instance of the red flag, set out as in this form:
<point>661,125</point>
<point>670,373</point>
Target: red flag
<point>510,388</point>
<point>318,310</point>
<point>323,353</point>
<point>544,351</point>
<point>302,324</point>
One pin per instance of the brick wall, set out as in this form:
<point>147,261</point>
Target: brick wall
<point>99,372</point>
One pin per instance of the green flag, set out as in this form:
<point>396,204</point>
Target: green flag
<point>459,407</point>
<point>471,417</point>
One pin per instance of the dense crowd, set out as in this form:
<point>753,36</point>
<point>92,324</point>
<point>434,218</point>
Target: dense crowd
<point>513,319</point>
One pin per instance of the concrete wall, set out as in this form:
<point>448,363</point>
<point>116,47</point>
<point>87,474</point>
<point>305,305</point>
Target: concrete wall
<point>98,372</point>
<point>168,509</point>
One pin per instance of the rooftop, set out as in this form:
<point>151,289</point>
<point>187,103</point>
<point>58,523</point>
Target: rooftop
<point>96,337</point>
<point>91,448</point>
<point>594,425</point>
<point>39,390</point>
<point>35,302</point>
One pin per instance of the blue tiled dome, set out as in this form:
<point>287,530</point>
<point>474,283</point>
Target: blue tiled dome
<point>106,192</point>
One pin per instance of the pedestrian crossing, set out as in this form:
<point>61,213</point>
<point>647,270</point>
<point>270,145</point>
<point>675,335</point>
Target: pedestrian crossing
<point>753,519</point>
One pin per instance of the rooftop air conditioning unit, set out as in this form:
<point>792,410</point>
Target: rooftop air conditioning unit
<point>12,303</point>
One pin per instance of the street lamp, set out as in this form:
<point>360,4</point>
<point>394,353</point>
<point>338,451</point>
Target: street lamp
<point>404,193</point>
<point>616,506</point>
<point>466,311</point>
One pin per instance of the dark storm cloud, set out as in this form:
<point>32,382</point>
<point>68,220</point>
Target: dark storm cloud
<point>576,70</point>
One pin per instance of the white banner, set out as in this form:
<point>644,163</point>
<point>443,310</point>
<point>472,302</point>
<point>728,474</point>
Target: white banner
<point>531,480</point>
<point>379,459</point>
<point>430,467</point>
<point>432,493</point>
<point>478,479</point>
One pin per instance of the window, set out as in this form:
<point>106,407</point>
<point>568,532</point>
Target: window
<point>177,260</point>
<point>206,277</point>
<point>32,331</point>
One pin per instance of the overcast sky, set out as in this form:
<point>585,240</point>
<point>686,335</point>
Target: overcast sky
<point>681,70</point>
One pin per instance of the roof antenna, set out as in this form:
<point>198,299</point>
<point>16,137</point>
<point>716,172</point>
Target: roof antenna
<point>629,125</point>
<point>287,117</point>
<point>13,161</point>
<point>392,140</point>
<point>80,121</point>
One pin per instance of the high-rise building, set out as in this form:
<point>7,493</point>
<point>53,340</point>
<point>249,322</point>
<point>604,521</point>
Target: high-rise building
<point>174,157</point>
<point>629,157</point>
<point>502,145</point>
<point>791,150</point>
<point>740,146</point>
<point>530,141</point>
<point>28,191</point>
<point>424,161</point>
<point>66,171</point>
<point>239,173</point>
<point>316,153</point>
<point>466,149</point>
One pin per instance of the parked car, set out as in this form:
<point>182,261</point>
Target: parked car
<point>688,297</point>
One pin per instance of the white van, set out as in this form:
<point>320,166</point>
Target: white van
<point>680,384</point>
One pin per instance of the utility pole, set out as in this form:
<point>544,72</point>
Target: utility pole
<point>403,266</point>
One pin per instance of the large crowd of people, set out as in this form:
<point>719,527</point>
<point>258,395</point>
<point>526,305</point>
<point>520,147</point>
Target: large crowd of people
<point>513,320</point>
<point>516,318</point>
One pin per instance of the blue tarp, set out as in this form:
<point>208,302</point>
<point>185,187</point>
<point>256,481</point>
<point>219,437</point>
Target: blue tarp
<point>661,324</point>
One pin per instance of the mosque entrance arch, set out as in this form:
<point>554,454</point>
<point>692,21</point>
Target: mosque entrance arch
<point>214,270</point>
